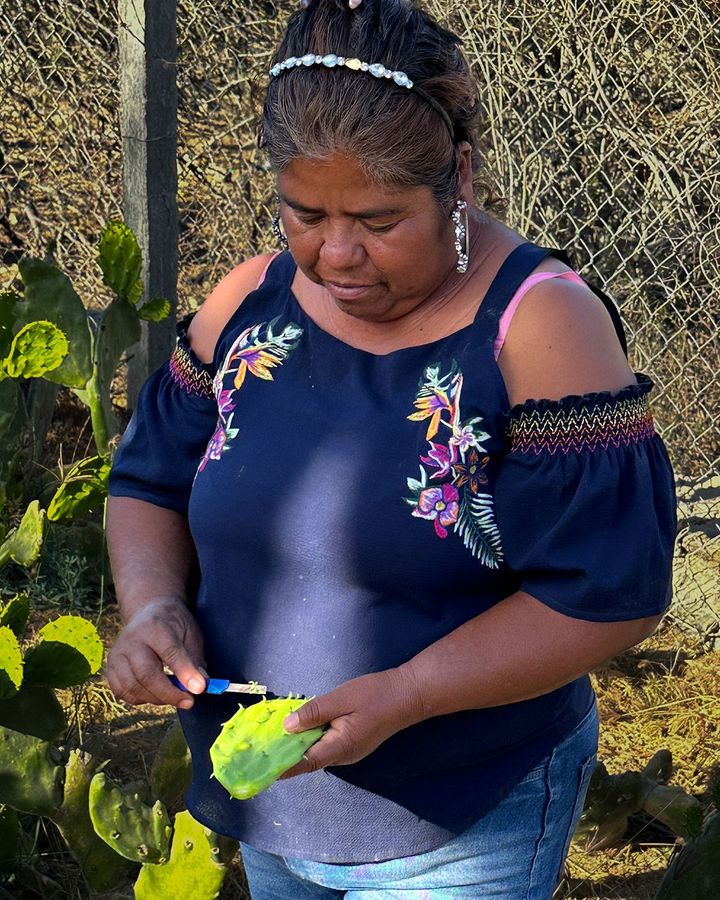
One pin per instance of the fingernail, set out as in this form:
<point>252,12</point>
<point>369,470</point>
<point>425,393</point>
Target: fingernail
<point>196,685</point>
<point>353,4</point>
<point>185,704</point>
<point>291,722</point>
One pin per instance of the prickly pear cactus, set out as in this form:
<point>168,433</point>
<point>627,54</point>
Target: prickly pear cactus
<point>15,614</point>
<point>612,799</point>
<point>34,710</point>
<point>196,868</point>
<point>693,873</point>
<point>171,771</point>
<point>253,749</point>
<point>11,664</point>
<point>68,651</point>
<point>131,827</point>
<point>104,869</point>
<point>24,543</point>
<point>120,259</point>
<point>30,780</point>
<point>83,489</point>
<point>38,348</point>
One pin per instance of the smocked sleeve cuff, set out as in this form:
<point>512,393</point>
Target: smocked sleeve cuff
<point>585,504</point>
<point>174,419</point>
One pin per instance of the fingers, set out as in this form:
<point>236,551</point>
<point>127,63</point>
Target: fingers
<point>333,749</point>
<point>135,663</point>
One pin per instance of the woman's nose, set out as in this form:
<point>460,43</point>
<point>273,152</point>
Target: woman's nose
<point>340,249</point>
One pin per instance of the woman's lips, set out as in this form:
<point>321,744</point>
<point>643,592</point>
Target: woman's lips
<point>348,291</point>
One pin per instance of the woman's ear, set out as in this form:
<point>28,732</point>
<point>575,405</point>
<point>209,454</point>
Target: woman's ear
<point>465,172</point>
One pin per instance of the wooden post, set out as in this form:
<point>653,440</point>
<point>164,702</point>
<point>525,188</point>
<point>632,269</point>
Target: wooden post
<point>148,120</point>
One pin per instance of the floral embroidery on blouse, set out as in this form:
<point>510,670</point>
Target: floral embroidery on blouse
<point>257,350</point>
<point>456,459</point>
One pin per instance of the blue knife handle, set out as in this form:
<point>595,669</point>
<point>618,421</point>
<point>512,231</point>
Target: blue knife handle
<point>212,685</point>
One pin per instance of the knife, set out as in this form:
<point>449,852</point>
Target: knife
<point>223,686</point>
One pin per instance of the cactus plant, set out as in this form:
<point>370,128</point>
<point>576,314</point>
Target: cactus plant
<point>15,614</point>
<point>24,543</point>
<point>30,780</point>
<point>253,749</point>
<point>67,652</point>
<point>34,710</point>
<point>172,767</point>
<point>83,489</point>
<point>97,340</point>
<point>38,348</point>
<point>131,827</point>
<point>612,799</point>
<point>197,865</point>
<point>11,663</point>
<point>103,868</point>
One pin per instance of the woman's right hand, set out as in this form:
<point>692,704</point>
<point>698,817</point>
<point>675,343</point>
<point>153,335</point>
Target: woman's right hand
<point>162,633</point>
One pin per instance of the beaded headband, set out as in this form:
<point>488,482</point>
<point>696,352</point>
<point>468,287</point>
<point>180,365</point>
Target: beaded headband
<point>377,70</point>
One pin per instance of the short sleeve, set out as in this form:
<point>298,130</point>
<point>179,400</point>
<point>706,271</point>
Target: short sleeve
<point>585,504</point>
<point>165,440</point>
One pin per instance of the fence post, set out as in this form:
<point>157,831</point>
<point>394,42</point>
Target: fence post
<point>148,122</point>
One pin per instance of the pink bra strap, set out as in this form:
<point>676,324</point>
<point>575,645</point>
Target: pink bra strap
<point>267,266</point>
<point>529,282</point>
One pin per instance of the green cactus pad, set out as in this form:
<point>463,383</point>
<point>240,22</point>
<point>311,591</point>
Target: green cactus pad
<point>68,651</point>
<point>693,873</point>
<point>38,348</point>
<point>15,614</point>
<point>34,710</point>
<point>8,300</point>
<point>49,296</point>
<point>196,868</point>
<point>103,868</point>
<point>83,490</point>
<point>24,543</point>
<point>30,781</point>
<point>127,824</point>
<point>253,749</point>
<point>172,767</point>
<point>155,310</point>
<point>120,258</point>
<point>11,664</point>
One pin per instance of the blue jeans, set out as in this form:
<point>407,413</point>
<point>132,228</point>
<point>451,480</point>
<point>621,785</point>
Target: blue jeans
<point>515,852</point>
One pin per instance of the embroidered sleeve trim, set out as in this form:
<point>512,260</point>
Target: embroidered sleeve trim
<point>186,369</point>
<point>582,421</point>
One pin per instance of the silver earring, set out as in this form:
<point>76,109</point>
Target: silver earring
<point>277,230</point>
<point>462,239</point>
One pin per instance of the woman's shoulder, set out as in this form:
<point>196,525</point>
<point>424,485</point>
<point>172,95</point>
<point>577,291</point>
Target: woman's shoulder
<point>217,310</point>
<point>561,341</point>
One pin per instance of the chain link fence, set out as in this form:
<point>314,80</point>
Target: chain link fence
<point>602,128</point>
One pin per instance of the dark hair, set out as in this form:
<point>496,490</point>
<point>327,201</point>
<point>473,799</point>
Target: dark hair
<point>398,137</point>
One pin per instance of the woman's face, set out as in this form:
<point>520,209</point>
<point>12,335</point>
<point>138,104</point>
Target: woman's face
<point>378,251</point>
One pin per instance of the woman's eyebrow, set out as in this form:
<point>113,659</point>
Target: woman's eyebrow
<point>360,214</point>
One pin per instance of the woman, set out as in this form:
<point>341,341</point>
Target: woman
<point>429,507</point>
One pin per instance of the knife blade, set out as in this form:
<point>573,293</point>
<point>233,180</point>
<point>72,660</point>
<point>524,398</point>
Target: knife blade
<point>224,686</point>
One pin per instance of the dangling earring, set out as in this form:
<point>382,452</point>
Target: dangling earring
<point>276,229</point>
<point>462,239</point>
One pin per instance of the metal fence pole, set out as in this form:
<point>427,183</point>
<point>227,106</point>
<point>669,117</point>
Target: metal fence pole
<point>148,119</point>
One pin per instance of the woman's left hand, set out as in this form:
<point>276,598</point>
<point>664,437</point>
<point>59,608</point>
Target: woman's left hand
<point>361,713</point>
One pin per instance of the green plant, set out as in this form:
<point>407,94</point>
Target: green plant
<point>253,749</point>
<point>95,341</point>
<point>612,799</point>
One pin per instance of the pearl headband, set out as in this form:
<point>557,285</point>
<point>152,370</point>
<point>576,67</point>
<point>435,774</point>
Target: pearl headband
<point>377,70</point>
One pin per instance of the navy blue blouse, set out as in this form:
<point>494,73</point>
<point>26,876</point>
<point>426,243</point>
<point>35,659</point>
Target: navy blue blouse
<point>350,509</point>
